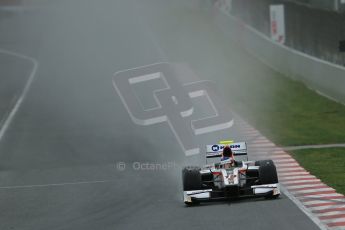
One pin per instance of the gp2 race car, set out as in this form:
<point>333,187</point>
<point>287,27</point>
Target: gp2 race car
<point>243,179</point>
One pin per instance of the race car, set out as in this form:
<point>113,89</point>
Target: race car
<point>230,178</point>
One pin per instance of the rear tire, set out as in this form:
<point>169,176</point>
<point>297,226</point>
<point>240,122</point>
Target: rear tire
<point>192,180</point>
<point>267,174</point>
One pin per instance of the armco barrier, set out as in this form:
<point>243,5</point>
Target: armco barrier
<point>324,77</point>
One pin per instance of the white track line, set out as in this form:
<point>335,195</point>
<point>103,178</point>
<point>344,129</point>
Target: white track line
<point>305,186</point>
<point>322,196</point>
<point>20,100</point>
<point>334,220</point>
<point>301,191</point>
<point>287,165</point>
<point>279,151</point>
<point>294,168</point>
<point>301,182</point>
<point>296,178</point>
<point>320,202</point>
<point>330,213</point>
<point>307,211</point>
<point>291,174</point>
<point>320,208</point>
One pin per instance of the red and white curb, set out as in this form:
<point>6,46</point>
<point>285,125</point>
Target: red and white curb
<point>320,202</point>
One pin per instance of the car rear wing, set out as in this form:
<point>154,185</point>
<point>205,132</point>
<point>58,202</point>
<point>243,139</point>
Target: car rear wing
<point>239,150</point>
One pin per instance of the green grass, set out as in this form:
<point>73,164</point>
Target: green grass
<point>287,112</point>
<point>326,164</point>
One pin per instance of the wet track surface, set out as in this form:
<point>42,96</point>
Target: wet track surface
<point>60,158</point>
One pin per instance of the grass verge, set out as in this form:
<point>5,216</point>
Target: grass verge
<point>326,164</point>
<point>289,113</point>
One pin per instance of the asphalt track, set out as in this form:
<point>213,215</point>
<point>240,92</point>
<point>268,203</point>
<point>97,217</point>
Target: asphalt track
<point>60,157</point>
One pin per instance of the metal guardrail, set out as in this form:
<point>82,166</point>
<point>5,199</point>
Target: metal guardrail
<point>324,77</point>
<point>333,5</point>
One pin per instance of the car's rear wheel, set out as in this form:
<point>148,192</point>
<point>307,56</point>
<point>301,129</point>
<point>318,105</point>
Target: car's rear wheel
<point>267,174</point>
<point>192,180</point>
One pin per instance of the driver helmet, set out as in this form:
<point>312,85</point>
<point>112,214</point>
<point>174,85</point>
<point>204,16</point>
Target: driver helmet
<point>227,157</point>
<point>227,153</point>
